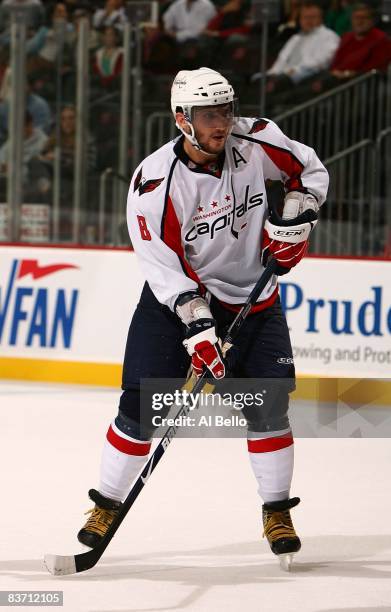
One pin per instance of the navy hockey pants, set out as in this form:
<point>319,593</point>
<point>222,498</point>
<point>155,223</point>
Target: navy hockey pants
<point>154,350</point>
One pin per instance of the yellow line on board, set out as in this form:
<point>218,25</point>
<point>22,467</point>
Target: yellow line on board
<point>359,391</point>
<point>48,370</point>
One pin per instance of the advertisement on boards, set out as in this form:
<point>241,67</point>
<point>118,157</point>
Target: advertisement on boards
<point>76,304</point>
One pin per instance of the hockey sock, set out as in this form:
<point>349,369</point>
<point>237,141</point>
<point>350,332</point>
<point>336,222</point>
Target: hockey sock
<point>122,459</point>
<point>271,458</point>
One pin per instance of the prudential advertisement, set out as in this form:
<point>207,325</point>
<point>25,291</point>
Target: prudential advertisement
<point>339,315</point>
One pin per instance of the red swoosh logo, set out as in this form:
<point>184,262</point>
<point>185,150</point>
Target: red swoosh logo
<point>31,266</point>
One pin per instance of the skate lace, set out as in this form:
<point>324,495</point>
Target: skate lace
<point>100,520</point>
<point>278,525</point>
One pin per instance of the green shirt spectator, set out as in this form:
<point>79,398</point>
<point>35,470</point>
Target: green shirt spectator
<point>339,17</point>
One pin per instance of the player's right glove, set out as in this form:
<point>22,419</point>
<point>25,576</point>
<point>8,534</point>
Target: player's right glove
<point>201,341</point>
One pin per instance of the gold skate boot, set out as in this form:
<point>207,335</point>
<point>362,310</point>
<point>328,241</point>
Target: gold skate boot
<point>279,530</point>
<point>101,517</point>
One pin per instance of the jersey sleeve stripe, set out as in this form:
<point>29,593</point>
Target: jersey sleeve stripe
<point>171,235</point>
<point>166,197</point>
<point>288,163</point>
<point>284,159</point>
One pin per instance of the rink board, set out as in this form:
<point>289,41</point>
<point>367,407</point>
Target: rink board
<point>64,314</point>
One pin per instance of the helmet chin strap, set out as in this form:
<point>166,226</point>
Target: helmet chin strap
<point>193,140</point>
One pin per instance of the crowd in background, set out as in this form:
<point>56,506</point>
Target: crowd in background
<point>313,46</point>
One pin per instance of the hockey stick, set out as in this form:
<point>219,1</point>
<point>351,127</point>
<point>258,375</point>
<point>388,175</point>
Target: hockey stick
<point>62,565</point>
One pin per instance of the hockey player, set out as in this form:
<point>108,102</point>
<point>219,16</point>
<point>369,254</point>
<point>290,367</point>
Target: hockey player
<point>198,221</point>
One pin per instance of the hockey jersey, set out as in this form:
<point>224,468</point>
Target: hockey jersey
<point>200,227</point>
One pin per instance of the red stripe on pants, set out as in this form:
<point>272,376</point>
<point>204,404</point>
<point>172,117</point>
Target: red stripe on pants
<point>268,445</point>
<point>127,446</point>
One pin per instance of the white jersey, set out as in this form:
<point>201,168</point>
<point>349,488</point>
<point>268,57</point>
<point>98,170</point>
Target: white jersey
<point>200,227</point>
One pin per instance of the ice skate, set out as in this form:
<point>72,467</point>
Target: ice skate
<point>279,530</point>
<point>100,519</point>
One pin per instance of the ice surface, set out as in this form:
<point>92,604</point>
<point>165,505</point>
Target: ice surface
<point>192,541</point>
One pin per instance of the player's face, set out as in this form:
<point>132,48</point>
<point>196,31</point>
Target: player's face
<point>212,125</point>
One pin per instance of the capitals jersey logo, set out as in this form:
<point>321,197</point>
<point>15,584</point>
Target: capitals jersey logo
<point>231,219</point>
<point>143,186</point>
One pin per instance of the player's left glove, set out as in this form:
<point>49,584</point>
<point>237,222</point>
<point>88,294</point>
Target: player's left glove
<point>287,239</point>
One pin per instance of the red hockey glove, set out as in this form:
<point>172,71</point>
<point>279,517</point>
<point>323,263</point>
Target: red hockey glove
<point>202,345</point>
<point>287,241</point>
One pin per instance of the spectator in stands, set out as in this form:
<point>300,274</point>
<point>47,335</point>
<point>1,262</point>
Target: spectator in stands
<point>67,146</point>
<point>305,53</point>
<point>365,48</point>
<point>339,16</point>
<point>281,32</point>
<point>160,49</point>
<point>35,16</point>
<point>38,108</point>
<point>34,143</point>
<point>68,140</point>
<point>93,36</point>
<point>229,21</point>
<point>44,59</point>
<point>289,24</point>
<point>184,20</point>
<point>112,15</point>
<point>225,31</point>
<point>108,59</point>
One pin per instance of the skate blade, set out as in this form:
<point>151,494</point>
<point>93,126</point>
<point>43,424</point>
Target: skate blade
<point>285,561</point>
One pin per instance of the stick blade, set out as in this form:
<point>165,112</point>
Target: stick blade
<point>60,565</point>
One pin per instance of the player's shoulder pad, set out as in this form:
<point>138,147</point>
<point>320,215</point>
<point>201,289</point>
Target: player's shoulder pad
<point>258,130</point>
<point>250,126</point>
<point>152,174</point>
<point>255,128</point>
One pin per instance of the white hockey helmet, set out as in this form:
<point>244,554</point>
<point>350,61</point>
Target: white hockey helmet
<point>201,87</point>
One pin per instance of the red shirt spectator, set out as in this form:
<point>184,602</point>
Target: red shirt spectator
<point>366,48</point>
<point>362,54</point>
<point>229,20</point>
